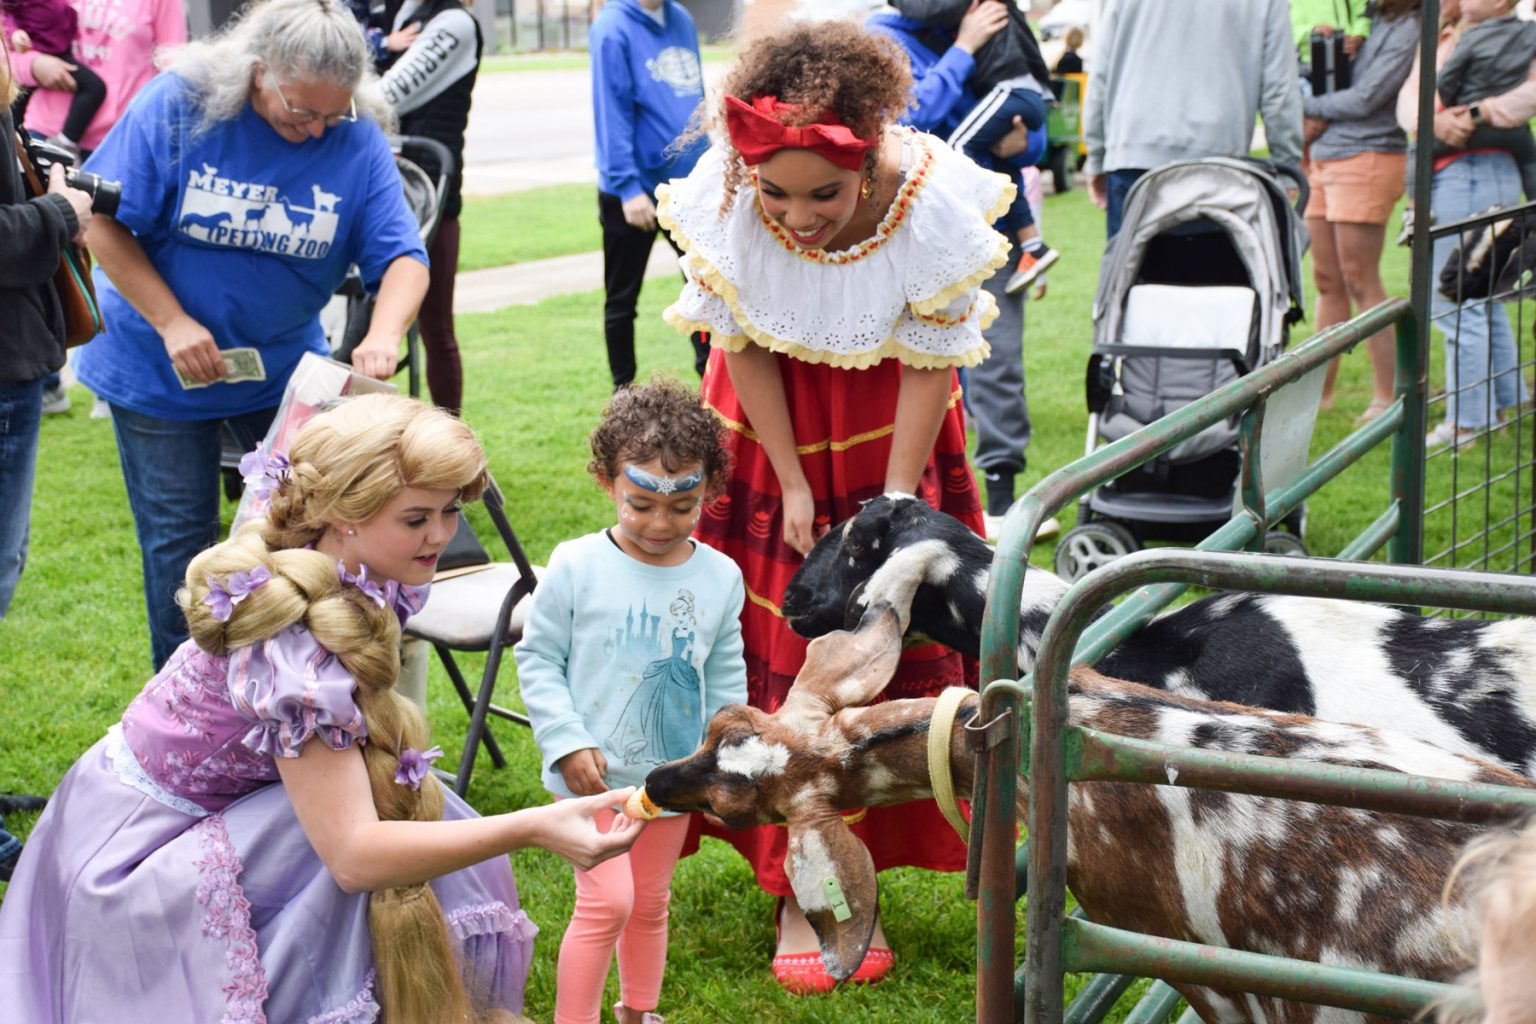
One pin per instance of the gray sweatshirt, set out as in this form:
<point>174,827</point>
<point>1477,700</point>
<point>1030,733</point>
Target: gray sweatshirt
<point>1363,118</point>
<point>1182,79</point>
<point>1491,58</point>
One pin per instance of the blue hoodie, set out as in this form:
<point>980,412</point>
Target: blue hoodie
<point>941,92</point>
<point>646,83</point>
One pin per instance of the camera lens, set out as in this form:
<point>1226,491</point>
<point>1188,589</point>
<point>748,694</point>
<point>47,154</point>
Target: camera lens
<point>105,195</point>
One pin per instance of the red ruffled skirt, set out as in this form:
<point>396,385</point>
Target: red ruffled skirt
<point>843,425</point>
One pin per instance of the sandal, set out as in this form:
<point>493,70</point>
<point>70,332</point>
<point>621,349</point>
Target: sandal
<point>1372,411</point>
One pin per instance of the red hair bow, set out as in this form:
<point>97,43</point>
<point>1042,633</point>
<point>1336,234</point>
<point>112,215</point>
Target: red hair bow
<point>757,133</point>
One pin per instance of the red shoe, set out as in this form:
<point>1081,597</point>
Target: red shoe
<point>803,974</point>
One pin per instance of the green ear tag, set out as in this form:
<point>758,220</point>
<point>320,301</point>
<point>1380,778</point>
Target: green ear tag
<point>834,893</point>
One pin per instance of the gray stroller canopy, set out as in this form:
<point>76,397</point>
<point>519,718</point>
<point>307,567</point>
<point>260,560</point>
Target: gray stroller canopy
<point>1237,196</point>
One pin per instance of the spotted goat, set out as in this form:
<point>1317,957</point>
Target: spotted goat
<point>1333,885</point>
<point>1467,686</point>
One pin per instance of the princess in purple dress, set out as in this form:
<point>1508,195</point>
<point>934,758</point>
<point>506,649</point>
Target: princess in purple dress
<point>171,879</point>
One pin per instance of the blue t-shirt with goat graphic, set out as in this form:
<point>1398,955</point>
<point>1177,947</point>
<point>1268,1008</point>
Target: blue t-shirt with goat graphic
<point>252,233</point>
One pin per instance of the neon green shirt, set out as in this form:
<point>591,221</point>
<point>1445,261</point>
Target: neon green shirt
<point>1308,14</point>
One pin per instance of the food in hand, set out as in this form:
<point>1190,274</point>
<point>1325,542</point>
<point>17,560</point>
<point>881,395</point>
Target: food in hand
<point>639,806</point>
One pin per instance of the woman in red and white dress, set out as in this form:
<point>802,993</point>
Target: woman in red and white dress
<point>836,260</point>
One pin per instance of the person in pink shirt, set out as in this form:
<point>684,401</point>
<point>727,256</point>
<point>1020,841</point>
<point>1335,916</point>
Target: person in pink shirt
<point>117,40</point>
<point>49,27</point>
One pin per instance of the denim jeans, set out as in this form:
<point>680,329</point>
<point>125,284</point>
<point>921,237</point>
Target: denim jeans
<point>171,468</point>
<point>10,849</point>
<point>1118,184</point>
<point>21,410</point>
<point>985,125</point>
<point>1479,344</point>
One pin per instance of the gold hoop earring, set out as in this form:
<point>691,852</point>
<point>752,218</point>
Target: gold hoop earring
<point>867,189</point>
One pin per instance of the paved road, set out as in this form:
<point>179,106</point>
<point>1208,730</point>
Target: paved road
<point>534,128</point>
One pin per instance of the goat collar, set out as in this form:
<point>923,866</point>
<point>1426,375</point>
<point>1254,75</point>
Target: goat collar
<point>940,728</point>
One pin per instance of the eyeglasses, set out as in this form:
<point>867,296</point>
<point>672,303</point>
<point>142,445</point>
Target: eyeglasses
<point>310,117</point>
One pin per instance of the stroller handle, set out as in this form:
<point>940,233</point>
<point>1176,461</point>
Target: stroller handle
<point>1303,190</point>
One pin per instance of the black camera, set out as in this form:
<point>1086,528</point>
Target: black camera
<point>105,195</point>
<point>1330,64</point>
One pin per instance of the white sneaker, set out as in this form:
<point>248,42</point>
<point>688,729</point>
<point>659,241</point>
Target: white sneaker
<point>1447,434</point>
<point>1048,529</point>
<point>55,401</point>
<point>100,410</point>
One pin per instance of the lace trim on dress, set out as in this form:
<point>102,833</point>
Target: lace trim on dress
<point>913,324</point>
<point>490,918</point>
<point>843,360</point>
<point>131,773</point>
<point>360,1009</point>
<point>229,918</point>
<point>946,296</point>
<point>887,226</point>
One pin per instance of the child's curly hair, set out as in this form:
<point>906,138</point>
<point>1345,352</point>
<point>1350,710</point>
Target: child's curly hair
<point>660,420</point>
<point>828,66</point>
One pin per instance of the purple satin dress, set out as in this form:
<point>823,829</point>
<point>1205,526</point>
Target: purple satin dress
<point>169,880</point>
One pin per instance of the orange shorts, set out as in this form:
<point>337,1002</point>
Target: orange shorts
<point>1361,189</point>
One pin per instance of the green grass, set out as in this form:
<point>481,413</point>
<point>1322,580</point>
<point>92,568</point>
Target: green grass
<point>521,226</point>
<point>74,648</point>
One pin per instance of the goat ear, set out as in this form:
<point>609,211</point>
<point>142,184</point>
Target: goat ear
<point>844,669</point>
<point>834,880</point>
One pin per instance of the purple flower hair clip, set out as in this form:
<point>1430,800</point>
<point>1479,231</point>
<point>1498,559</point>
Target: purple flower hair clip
<point>262,472</point>
<point>415,764</point>
<point>222,597</point>
<point>361,582</point>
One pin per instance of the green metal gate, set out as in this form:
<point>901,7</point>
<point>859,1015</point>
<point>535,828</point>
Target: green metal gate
<point>1020,721</point>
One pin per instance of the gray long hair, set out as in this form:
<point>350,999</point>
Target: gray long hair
<point>295,40</point>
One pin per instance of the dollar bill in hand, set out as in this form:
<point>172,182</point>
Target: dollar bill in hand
<point>242,364</point>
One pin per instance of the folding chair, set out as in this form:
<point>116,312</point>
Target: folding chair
<point>479,607</point>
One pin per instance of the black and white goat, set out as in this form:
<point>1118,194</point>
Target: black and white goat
<point>1334,885</point>
<point>1467,686</point>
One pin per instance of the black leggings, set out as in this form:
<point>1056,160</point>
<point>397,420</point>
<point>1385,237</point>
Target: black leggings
<point>90,94</point>
<point>626,251</point>
<point>445,374</point>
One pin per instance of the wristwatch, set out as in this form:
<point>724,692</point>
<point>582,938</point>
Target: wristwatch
<point>1476,112</point>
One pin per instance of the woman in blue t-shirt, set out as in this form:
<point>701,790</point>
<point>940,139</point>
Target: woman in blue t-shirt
<point>254,173</point>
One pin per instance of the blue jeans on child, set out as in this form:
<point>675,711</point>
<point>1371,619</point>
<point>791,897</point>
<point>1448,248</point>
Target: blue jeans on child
<point>989,121</point>
<point>171,469</point>
<point>21,410</point>
<point>1479,344</point>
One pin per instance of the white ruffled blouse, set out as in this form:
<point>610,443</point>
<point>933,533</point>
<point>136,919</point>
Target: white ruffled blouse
<point>912,291</point>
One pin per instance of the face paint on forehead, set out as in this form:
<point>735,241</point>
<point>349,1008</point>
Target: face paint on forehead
<point>662,484</point>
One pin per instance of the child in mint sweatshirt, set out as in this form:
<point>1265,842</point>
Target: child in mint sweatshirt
<point>632,644</point>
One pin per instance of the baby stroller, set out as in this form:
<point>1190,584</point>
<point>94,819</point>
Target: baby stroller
<point>424,165</point>
<point>1199,287</point>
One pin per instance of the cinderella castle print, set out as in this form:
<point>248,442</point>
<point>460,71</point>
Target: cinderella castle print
<point>662,717</point>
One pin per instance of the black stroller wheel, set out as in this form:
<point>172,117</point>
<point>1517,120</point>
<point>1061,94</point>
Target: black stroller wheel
<point>1088,546</point>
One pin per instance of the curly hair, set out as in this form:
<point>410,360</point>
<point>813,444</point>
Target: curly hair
<point>660,420</point>
<point>822,67</point>
<point>1496,875</point>
<point>347,463</point>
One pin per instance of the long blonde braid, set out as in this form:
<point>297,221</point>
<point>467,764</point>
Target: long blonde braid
<point>347,463</point>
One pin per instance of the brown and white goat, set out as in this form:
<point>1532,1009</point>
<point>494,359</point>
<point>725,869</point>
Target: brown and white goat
<point>1461,684</point>
<point>1329,884</point>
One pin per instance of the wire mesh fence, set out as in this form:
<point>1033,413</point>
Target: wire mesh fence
<point>1480,472</point>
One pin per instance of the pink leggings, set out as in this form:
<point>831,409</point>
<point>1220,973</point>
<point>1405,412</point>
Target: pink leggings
<point>623,902</point>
